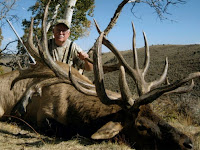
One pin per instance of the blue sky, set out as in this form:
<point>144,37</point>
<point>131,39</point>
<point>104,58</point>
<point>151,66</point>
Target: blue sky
<point>184,30</point>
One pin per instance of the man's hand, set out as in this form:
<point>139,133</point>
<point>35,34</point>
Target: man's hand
<point>83,55</point>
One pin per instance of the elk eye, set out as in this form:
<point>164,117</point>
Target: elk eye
<point>141,128</point>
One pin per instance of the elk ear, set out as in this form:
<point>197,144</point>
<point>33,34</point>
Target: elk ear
<point>107,131</point>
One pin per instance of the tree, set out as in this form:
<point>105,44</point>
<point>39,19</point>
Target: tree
<point>80,23</point>
<point>69,10</point>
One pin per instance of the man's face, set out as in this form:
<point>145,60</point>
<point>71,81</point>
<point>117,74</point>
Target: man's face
<point>61,34</point>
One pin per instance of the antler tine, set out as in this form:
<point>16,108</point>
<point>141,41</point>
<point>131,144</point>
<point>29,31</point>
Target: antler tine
<point>162,77</point>
<point>99,78</point>
<point>32,49</point>
<point>135,60</point>
<point>44,33</point>
<point>147,55</point>
<point>98,71</point>
<point>149,97</point>
<point>125,91</point>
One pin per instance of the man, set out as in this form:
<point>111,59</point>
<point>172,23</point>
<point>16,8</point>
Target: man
<point>63,50</point>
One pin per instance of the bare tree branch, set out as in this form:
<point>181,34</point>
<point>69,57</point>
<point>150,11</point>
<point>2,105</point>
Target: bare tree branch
<point>113,21</point>
<point>5,48</point>
<point>5,7</point>
<point>160,7</point>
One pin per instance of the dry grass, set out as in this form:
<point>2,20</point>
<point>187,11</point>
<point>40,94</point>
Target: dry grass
<point>12,137</point>
<point>169,111</point>
<point>185,125</point>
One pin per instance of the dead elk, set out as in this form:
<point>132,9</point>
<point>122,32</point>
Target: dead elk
<point>99,114</point>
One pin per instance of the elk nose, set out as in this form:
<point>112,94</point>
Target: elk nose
<point>188,145</point>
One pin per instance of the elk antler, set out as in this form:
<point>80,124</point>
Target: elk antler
<point>148,92</point>
<point>126,99</point>
<point>136,73</point>
<point>155,93</point>
<point>32,49</point>
<point>98,75</point>
<point>139,74</point>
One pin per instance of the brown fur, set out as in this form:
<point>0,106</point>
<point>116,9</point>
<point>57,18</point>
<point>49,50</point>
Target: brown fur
<point>8,98</point>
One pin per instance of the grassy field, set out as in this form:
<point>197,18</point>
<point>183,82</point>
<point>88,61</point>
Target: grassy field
<point>182,111</point>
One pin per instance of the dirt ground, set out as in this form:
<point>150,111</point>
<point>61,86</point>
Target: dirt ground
<point>183,59</point>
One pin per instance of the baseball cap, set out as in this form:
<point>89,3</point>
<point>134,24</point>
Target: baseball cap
<point>62,21</point>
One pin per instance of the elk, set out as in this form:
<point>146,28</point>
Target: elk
<point>90,110</point>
